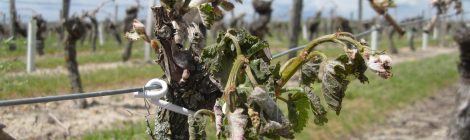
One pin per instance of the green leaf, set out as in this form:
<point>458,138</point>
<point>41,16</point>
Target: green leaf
<point>249,44</point>
<point>209,14</point>
<point>197,127</point>
<point>334,84</point>
<point>297,106</point>
<point>218,59</point>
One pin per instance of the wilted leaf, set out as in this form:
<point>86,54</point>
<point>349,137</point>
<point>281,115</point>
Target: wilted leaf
<point>334,84</point>
<point>267,105</point>
<point>249,44</point>
<point>318,110</point>
<point>260,70</point>
<point>271,83</point>
<point>309,72</point>
<point>356,68</point>
<point>297,106</point>
<point>218,59</point>
<point>238,121</point>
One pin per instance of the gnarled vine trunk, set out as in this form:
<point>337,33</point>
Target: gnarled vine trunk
<point>75,30</point>
<point>94,35</point>
<point>40,34</point>
<point>195,92</point>
<point>12,46</point>
<point>460,126</point>
<point>391,42</point>
<point>131,14</point>
<point>259,27</point>
<point>294,28</point>
<point>312,25</point>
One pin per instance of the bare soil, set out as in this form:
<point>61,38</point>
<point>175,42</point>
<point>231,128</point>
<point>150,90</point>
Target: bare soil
<point>61,120</point>
<point>427,119</point>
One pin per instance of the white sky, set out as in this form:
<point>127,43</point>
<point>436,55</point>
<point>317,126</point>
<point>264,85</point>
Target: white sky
<point>50,8</point>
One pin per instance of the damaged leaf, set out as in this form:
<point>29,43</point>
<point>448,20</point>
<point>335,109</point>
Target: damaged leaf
<point>318,110</point>
<point>309,72</point>
<point>297,106</point>
<point>334,84</point>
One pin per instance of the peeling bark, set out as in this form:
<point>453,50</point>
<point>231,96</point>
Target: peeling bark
<point>197,91</point>
<point>460,126</point>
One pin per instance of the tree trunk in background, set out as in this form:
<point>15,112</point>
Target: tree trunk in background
<point>112,27</point>
<point>460,126</point>
<point>127,51</point>
<point>312,25</point>
<point>131,14</point>
<point>94,35</point>
<point>294,29</point>
<point>75,30</point>
<point>259,28</point>
<point>12,45</point>
<point>40,34</point>
<point>411,40</point>
<point>64,13</point>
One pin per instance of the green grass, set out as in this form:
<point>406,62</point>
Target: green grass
<point>110,51</point>
<point>363,104</point>
<point>29,86</point>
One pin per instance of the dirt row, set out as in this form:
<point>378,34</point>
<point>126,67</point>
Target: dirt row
<point>427,119</point>
<point>60,120</point>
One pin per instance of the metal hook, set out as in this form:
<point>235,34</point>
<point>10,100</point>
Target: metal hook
<point>155,96</point>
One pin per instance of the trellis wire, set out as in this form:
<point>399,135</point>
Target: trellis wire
<point>71,96</point>
<point>358,35</point>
